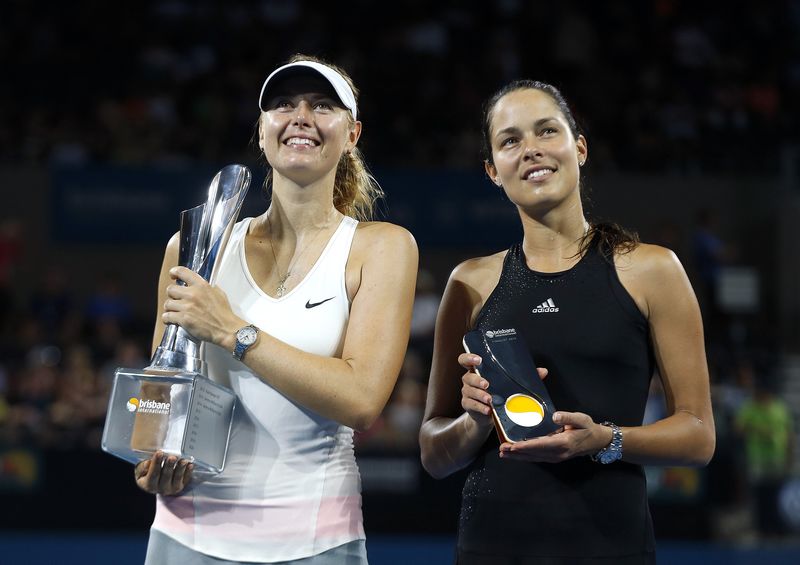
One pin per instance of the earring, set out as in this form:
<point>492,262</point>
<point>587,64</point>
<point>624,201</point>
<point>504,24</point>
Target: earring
<point>580,163</point>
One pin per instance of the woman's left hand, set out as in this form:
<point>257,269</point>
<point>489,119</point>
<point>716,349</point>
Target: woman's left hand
<point>199,308</point>
<point>579,435</point>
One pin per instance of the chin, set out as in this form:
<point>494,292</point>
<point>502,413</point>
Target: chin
<point>541,196</point>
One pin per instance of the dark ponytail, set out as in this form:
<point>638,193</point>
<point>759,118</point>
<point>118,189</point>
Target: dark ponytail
<point>610,238</point>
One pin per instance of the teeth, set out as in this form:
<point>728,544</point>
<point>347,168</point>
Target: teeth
<point>539,173</point>
<point>299,141</point>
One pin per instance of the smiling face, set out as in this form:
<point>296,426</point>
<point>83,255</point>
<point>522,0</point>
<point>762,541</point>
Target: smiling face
<point>535,155</point>
<point>305,130</point>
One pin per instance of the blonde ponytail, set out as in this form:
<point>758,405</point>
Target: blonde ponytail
<point>355,190</point>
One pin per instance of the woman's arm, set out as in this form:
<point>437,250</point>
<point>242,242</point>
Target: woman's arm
<point>164,280</point>
<point>354,389</point>
<point>685,437</point>
<point>657,282</point>
<point>457,421</point>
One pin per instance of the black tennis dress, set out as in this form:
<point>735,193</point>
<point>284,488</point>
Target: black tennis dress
<point>584,327</point>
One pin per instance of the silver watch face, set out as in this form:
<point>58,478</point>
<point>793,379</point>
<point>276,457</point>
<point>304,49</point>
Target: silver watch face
<point>247,335</point>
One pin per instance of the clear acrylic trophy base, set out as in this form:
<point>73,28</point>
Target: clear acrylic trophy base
<point>186,415</point>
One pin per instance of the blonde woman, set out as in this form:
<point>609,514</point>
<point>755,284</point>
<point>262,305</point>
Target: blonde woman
<point>308,323</point>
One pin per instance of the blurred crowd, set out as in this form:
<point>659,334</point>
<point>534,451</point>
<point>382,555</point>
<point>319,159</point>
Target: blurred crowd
<point>662,85</point>
<point>58,354</point>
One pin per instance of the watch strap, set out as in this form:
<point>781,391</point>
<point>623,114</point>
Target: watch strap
<point>238,350</point>
<point>614,447</point>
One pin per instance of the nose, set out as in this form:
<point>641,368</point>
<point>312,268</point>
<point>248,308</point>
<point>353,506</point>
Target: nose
<point>531,151</point>
<point>302,114</point>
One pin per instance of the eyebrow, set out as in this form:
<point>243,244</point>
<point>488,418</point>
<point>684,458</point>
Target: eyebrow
<point>536,124</point>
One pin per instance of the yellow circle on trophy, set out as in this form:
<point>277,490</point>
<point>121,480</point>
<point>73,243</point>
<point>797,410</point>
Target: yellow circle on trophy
<point>524,410</point>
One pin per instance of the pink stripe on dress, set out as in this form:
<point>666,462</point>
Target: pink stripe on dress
<point>284,520</point>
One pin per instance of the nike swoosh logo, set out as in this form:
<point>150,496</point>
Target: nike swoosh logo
<point>310,304</point>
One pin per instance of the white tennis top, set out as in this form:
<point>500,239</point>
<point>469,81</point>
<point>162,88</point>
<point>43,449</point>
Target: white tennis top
<point>290,488</point>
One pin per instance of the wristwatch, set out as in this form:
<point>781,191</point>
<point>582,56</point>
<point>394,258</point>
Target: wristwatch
<point>245,337</point>
<point>613,451</point>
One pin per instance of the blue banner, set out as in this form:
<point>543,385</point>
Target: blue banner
<point>130,205</point>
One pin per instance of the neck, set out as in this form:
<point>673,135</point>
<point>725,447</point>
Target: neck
<point>297,210</point>
<point>290,222</point>
<point>551,242</point>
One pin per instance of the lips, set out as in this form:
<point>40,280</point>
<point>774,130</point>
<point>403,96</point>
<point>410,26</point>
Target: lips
<point>299,141</point>
<point>538,172</point>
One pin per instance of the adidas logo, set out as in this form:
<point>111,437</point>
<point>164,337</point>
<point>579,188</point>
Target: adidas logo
<point>546,306</point>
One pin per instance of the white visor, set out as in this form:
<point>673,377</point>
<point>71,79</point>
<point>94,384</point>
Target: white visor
<point>340,86</point>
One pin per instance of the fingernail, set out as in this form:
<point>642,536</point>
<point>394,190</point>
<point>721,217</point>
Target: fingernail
<point>485,385</point>
<point>557,417</point>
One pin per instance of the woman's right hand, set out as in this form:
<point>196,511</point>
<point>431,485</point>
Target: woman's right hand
<point>163,474</point>
<point>475,400</point>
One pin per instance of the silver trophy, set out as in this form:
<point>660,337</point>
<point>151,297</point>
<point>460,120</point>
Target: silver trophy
<point>171,405</point>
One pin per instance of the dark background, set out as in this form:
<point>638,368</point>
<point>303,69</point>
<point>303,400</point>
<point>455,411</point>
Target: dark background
<point>114,117</point>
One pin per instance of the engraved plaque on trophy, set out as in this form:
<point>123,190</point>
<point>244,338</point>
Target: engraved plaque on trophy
<point>171,405</point>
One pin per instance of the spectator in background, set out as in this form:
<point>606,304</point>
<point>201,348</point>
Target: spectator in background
<point>107,314</point>
<point>52,303</point>
<point>764,423</point>
<point>78,409</point>
<point>107,302</point>
<point>423,318</point>
<point>709,253</point>
<point>33,389</point>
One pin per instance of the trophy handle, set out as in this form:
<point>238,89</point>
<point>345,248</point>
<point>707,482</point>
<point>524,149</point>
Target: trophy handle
<point>204,233</point>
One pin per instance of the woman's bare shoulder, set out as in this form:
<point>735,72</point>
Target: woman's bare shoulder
<point>369,234</point>
<point>649,260</point>
<point>478,268</point>
<point>478,275</point>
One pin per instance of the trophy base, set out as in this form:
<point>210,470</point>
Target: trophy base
<point>186,415</point>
